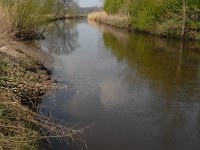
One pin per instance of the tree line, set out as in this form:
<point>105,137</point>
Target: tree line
<point>178,15</point>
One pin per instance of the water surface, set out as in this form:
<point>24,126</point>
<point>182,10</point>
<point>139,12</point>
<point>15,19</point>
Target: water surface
<point>138,91</point>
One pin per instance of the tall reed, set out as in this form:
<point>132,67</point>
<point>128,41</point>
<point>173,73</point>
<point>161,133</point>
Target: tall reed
<point>5,24</point>
<point>27,15</point>
<point>117,20</point>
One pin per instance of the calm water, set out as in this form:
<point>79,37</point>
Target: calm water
<point>138,91</point>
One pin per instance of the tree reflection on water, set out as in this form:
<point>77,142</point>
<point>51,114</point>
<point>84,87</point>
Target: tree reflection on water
<point>62,38</point>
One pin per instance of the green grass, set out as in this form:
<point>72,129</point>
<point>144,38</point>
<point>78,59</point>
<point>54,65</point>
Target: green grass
<point>2,66</point>
<point>3,111</point>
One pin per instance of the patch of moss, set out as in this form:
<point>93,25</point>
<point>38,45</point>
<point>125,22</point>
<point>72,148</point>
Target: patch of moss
<point>2,66</point>
<point>3,111</point>
<point>2,71</point>
<point>29,66</point>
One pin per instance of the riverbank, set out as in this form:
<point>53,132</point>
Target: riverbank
<point>169,29</point>
<point>54,18</point>
<point>23,81</point>
<point>25,76</point>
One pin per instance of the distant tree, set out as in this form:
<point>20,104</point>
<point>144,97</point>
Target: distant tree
<point>65,6</point>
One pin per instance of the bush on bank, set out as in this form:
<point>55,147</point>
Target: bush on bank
<point>171,18</point>
<point>26,15</point>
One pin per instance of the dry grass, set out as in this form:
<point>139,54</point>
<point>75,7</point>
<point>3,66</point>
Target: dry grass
<point>24,17</point>
<point>117,20</point>
<point>21,128</point>
<point>23,82</point>
<point>5,26</point>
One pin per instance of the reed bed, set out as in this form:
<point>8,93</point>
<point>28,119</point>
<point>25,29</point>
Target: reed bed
<point>117,20</point>
<point>5,26</point>
<point>25,16</point>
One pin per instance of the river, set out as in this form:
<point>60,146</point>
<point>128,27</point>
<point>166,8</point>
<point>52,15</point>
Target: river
<point>137,91</point>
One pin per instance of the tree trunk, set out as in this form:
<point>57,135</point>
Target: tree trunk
<point>185,3</point>
<point>58,9</point>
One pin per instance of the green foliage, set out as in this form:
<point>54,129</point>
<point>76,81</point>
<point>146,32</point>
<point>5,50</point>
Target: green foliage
<point>153,7</point>
<point>3,111</point>
<point>142,14</point>
<point>2,65</point>
<point>142,52</point>
<point>113,6</point>
<point>1,68</point>
<point>194,4</point>
<point>157,16</point>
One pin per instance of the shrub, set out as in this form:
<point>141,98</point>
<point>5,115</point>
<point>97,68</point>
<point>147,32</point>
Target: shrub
<point>27,15</point>
<point>113,6</point>
<point>163,17</point>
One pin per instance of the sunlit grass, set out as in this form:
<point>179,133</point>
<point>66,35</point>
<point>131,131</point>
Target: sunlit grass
<point>117,20</point>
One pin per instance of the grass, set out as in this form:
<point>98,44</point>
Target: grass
<point>5,25</point>
<point>14,133</point>
<point>118,20</point>
<point>25,16</point>
<point>1,67</point>
<point>23,82</point>
<point>21,128</point>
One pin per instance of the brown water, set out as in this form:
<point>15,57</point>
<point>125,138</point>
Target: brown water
<point>138,91</point>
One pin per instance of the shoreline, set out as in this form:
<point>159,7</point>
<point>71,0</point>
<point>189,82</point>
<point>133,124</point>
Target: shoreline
<point>191,45</point>
<point>53,18</point>
<point>24,79</point>
<point>122,22</point>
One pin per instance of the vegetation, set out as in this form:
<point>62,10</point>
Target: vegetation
<point>64,7</point>
<point>26,16</point>
<point>142,52</point>
<point>24,80</point>
<point>113,6</point>
<point>170,18</point>
<point>116,20</point>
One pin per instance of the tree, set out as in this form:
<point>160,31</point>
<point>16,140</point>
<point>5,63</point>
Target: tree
<point>185,6</point>
<point>113,6</point>
<point>64,6</point>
